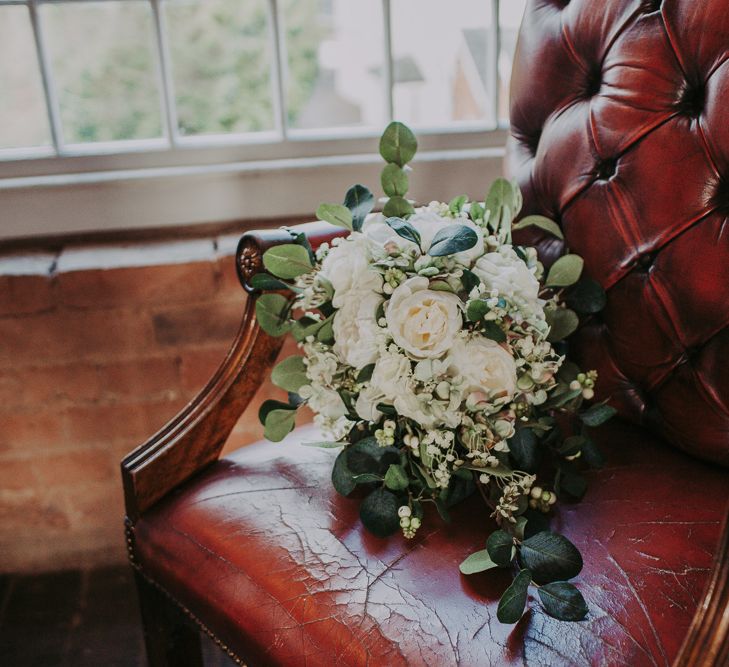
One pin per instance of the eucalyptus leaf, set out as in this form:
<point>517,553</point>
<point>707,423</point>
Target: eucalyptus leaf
<point>398,144</point>
<point>598,414</point>
<point>565,271</point>
<point>290,374</point>
<point>541,222</point>
<point>587,297</point>
<point>592,455</point>
<point>480,561</point>
<point>500,204</point>
<point>573,484</point>
<point>396,478</point>
<point>335,214</point>
<point>500,546</point>
<point>279,423</point>
<point>270,311</point>
<point>512,603</point>
<point>367,456</point>
<point>452,239</point>
<point>550,557</point>
<point>563,601</point>
<point>476,310</point>
<point>360,201</point>
<point>367,478</point>
<point>265,281</point>
<point>342,476</point>
<point>469,280</point>
<point>394,181</point>
<point>476,212</point>
<point>563,322</point>
<point>397,207</point>
<point>378,512</point>
<point>494,332</point>
<point>455,205</point>
<point>405,229</point>
<point>524,450</point>
<point>287,261</point>
<point>269,406</point>
<point>365,373</point>
<point>325,333</point>
<point>303,328</point>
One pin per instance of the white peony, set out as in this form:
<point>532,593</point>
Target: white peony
<point>391,375</point>
<point>366,404</point>
<point>506,272</point>
<point>487,369</point>
<point>355,329</point>
<point>423,322</point>
<point>347,267</point>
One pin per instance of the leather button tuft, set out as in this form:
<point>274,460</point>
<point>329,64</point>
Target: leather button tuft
<point>593,82</point>
<point>645,262</point>
<point>650,6</point>
<point>605,169</point>
<point>719,200</point>
<point>691,98</point>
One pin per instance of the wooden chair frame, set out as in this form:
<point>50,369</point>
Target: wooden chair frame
<point>194,438</point>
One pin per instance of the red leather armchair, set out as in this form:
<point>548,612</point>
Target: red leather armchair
<point>617,133</point>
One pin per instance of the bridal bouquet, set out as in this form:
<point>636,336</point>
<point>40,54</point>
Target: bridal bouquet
<point>432,353</point>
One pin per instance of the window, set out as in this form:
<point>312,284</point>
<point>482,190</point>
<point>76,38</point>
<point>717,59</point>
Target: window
<point>108,91</point>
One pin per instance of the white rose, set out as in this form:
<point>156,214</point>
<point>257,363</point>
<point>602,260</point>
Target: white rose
<point>506,272</point>
<point>427,412</point>
<point>421,321</point>
<point>366,404</point>
<point>355,329</point>
<point>347,267</point>
<point>487,369</point>
<point>391,374</point>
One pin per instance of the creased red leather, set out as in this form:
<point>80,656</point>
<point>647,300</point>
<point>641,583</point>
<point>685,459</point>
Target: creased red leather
<point>277,565</point>
<point>620,132</point>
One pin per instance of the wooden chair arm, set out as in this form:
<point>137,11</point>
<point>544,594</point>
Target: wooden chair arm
<point>193,439</point>
<point>707,641</point>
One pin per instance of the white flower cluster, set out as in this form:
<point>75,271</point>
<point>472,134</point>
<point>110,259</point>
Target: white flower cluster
<point>404,340</point>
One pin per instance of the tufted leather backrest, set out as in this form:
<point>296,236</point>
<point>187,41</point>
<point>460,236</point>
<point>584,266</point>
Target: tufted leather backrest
<point>620,131</point>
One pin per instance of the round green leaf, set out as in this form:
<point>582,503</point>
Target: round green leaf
<point>598,414</point>
<point>394,181</point>
<point>513,601</point>
<point>279,423</point>
<point>565,271</point>
<point>452,239</point>
<point>493,331</point>
<point>550,557</point>
<point>525,451</point>
<point>342,476</point>
<point>563,601</point>
<point>455,205</point>
<point>265,281</point>
<point>287,261</point>
<point>563,322</point>
<point>500,546</point>
<point>290,374</point>
<point>476,211</point>
<point>477,562</point>
<point>396,478</point>
<point>378,512</point>
<point>335,214</point>
<point>270,309</point>
<point>476,310</point>
<point>360,201</point>
<point>397,207</point>
<point>405,229</point>
<point>587,296</point>
<point>542,222</point>
<point>398,144</point>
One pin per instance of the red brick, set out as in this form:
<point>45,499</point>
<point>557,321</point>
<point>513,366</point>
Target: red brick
<point>140,378</point>
<point>31,429</point>
<point>68,468</point>
<point>104,288</point>
<point>17,474</point>
<point>213,322</point>
<point>22,295</point>
<point>24,512</point>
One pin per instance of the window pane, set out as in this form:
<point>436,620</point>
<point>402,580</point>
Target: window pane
<point>104,66</point>
<point>441,63</point>
<point>221,65</point>
<point>335,61</point>
<point>23,120</point>
<point>510,14</point>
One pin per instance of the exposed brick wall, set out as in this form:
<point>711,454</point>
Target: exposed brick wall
<point>99,348</point>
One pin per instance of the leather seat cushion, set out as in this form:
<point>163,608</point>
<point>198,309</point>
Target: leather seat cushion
<point>277,564</point>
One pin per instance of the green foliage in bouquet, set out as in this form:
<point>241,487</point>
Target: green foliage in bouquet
<point>433,352</point>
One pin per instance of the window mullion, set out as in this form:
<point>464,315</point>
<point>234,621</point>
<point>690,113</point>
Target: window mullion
<point>278,52</point>
<point>165,75</point>
<point>389,63</point>
<point>49,89</point>
<point>493,64</point>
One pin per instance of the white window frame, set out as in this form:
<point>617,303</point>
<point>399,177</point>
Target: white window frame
<point>174,180</point>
